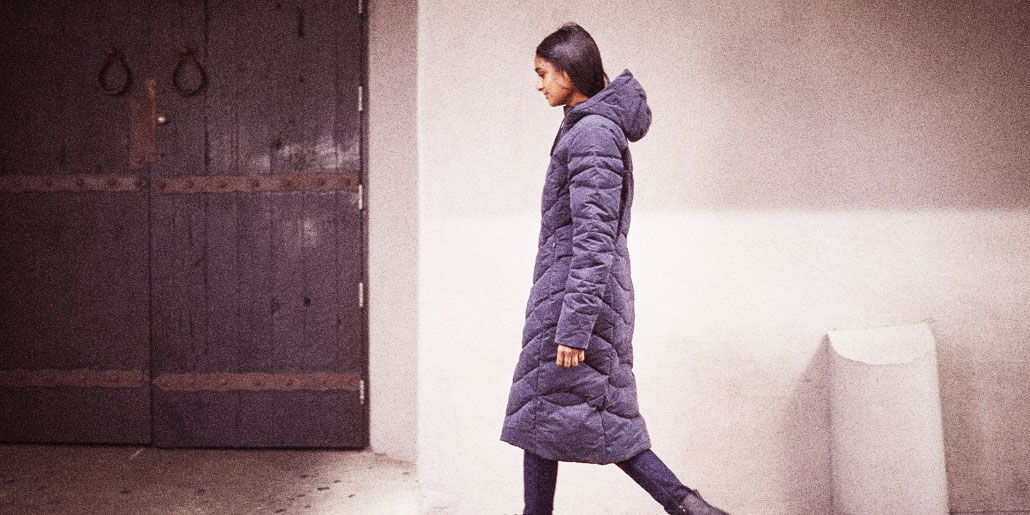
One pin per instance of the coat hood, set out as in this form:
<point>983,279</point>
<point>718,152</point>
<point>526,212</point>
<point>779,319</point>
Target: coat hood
<point>623,101</point>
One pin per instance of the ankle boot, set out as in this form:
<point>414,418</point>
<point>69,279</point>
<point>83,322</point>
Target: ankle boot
<point>693,504</point>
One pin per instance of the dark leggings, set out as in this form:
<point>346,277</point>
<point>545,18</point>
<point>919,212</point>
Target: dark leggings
<point>541,476</point>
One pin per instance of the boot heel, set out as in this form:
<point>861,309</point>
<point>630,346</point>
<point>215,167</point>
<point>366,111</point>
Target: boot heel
<point>694,504</point>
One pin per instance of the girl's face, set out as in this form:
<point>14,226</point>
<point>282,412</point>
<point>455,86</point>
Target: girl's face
<point>556,86</point>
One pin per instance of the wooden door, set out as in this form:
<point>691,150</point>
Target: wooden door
<point>74,300</point>
<point>258,323</point>
<point>248,251</point>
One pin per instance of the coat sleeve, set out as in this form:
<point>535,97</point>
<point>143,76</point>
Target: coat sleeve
<point>595,194</point>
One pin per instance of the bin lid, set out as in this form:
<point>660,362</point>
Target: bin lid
<point>883,345</point>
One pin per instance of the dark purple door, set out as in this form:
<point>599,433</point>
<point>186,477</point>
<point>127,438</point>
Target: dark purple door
<point>74,299</point>
<point>243,119</point>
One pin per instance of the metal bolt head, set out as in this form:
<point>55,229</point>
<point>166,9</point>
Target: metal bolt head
<point>162,118</point>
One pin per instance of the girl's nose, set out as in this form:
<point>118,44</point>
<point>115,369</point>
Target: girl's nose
<point>540,84</point>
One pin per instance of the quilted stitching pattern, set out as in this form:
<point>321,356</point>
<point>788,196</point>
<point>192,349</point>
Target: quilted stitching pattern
<point>582,293</point>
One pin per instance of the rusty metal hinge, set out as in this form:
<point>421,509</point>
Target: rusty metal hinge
<point>361,391</point>
<point>361,197</point>
<point>361,6</point>
<point>361,98</point>
<point>361,294</point>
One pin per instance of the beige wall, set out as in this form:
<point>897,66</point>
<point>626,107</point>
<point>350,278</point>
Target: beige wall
<point>392,227</point>
<point>810,167</point>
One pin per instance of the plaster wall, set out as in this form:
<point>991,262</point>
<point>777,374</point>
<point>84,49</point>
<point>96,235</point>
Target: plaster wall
<point>392,193</point>
<point>810,167</point>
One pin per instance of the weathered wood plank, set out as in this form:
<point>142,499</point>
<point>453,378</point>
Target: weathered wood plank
<point>260,276</point>
<point>177,281</point>
<point>97,125</point>
<point>241,47</point>
<point>75,232</point>
<point>291,419</point>
<point>257,294</point>
<point>75,297</point>
<point>349,75</point>
<point>75,415</point>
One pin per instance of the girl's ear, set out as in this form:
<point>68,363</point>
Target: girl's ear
<point>567,80</point>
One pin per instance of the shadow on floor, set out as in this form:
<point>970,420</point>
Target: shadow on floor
<point>115,480</point>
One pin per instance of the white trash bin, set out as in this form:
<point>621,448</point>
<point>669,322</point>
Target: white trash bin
<point>887,443</point>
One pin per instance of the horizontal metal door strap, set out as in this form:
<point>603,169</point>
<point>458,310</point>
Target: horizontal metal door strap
<point>112,182</point>
<point>71,182</point>
<point>283,182</point>
<point>81,378</point>
<point>181,382</point>
<point>257,382</point>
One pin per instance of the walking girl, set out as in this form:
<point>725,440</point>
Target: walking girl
<point>573,396</point>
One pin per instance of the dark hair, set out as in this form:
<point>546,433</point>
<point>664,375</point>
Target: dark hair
<point>572,50</point>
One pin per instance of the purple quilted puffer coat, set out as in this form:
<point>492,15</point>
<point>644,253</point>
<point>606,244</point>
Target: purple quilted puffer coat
<point>582,295</point>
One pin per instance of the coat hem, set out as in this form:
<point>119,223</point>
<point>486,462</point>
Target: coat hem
<point>610,459</point>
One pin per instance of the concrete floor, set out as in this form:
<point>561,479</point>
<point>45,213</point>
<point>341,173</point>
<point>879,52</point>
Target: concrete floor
<point>117,480</point>
<point>114,480</point>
